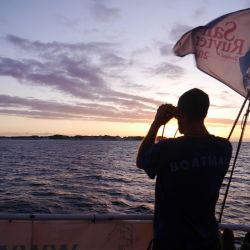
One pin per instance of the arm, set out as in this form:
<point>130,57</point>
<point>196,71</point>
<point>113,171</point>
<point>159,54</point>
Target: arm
<point>163,115</point>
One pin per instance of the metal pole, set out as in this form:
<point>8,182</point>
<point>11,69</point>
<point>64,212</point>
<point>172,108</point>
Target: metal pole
<point>237,118</point>
<point>163,131</point>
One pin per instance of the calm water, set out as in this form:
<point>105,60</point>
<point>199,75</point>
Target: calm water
<point>63,176</point>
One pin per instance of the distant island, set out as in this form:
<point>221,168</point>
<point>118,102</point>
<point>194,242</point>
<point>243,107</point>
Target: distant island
<point>76,137</point>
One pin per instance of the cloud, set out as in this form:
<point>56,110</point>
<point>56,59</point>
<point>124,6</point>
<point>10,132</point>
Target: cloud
<point>103,13</point>
<point>113,60</point>
<point>60,77</point>
<point>141,51</point>
<point>199,12</point>
<point>54,48</point>
<point>225,106</point>
<point>64,61</point>
<point>65,21</point>
<point>102,54</point>
<point>221,121</point>
<point>178,30</point>
<point>166,49</point>
<point>247,3</point>
<point>86,82</point>
<point>83,71</point>
<point>34,108</point>
<point>70,77</point>
<point>131,85</point>
<point>168,70</point>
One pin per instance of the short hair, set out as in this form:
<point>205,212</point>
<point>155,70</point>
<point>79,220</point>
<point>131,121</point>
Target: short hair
<point>194,104</point>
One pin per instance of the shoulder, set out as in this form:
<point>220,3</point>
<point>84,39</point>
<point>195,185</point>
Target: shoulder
<point>169,143</point>
<point>221,143</point>
<point>221,140</point>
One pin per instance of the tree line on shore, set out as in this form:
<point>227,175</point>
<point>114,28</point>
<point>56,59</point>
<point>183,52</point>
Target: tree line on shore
<point>76,137</point>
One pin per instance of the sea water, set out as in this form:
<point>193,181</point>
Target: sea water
<point>94,176</point>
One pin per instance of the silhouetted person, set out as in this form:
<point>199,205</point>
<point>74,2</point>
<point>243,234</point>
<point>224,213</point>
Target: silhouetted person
<point>189,171</point>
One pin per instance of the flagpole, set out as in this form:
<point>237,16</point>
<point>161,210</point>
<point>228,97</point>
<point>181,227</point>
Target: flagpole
<point>236,120</point>
<point>163,131</point>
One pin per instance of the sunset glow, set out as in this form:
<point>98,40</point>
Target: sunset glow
<point>90,67</point>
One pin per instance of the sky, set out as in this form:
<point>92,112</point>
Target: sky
<point>96,67</point>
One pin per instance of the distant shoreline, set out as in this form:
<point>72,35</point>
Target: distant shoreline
<point>87,137</point>
<point>76,137</point>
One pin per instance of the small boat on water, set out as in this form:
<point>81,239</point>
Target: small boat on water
<point>80,232</point>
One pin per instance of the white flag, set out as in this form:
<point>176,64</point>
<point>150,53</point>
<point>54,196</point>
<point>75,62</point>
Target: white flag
<point>222,49</point>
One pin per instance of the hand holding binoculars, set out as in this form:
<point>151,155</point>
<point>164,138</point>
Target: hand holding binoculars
<point>165,112</point>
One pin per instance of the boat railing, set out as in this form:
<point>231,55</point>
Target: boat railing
<point>81,231</point>
<point>103,217</point>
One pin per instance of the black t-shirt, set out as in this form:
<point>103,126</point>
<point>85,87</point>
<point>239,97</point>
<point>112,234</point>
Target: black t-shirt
<point>189,173</point>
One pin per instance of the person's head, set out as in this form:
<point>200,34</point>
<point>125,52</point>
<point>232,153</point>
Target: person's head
<point>192,108</point>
